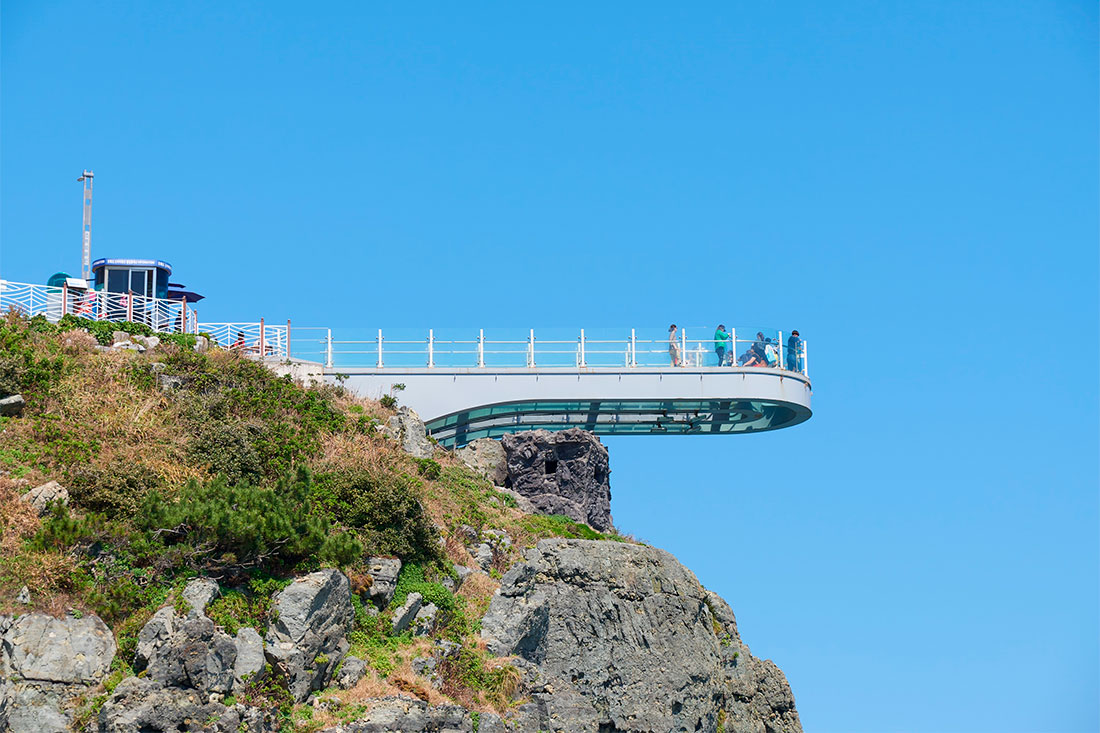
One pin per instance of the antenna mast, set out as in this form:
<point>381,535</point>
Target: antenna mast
<point>86,252</point>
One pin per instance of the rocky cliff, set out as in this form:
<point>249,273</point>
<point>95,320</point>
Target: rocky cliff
<point>380,585</point>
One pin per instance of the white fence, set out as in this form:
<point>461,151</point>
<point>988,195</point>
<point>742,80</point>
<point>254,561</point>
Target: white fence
<point>161,315</point>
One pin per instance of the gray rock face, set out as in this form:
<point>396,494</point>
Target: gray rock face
<point>250,657</point>
<point>195,656</point>
<point>486,456</point>
<point>407,428</point>
<point>144,706</point>
<point>12,405</point>
<point>24,596</point>
<point>306,640</point>
<point>40,497</point>
<point>562,472</point>
<point>636,634</point>
<point>383,572</point>
<point>404,715</point>
<point>404,616</point>
<point>46,649</point>
<point>425,620</point>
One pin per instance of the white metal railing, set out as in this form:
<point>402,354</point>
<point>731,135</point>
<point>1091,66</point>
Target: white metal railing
<point>160,314</point>
<point>693,347</point>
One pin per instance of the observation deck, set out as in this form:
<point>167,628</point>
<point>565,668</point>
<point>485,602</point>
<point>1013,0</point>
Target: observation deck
<point>620,382</point>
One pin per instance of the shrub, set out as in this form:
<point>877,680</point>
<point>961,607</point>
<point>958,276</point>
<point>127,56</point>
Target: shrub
<point>23,368</point>
<point>118,489</point>
<point>385,509</point>
<point>242,526</point>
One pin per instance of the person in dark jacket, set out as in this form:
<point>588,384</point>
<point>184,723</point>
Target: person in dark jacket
<point>794,352</point>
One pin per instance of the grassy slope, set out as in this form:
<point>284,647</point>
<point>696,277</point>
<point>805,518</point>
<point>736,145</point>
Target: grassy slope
<point>137,459</point>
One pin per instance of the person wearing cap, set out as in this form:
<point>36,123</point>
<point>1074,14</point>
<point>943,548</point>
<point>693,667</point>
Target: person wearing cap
<point>794,352</point>
<point>721,344</point>
<point>673,346</point>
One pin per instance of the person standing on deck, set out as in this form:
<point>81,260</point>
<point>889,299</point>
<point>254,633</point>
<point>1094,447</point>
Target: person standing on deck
<point>721,344</point>
<point>794,352</point>
<point>673,346</point>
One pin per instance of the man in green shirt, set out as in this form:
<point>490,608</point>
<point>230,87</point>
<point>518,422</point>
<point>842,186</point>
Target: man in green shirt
<point>721,344</point>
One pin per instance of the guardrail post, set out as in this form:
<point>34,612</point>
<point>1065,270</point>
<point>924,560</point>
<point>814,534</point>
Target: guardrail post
<point>287,354</point>
<point>531,350</point>
<point>64,298</point>
<point>805,360</point>
<point>328,349</point>
<point>481,347</point>
<point>683,346</point>
<point>380,348</point>
<point>580,361</point>
<point>130,306</point>
<point>261,338</point>
<point>779,346</point>
<point>431,348</point>
<point>195,316</point>
<point>633,349</point>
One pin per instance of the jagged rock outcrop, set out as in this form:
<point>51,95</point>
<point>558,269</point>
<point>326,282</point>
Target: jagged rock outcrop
<point>408,430</point>
<point>562,472</point>
<point>310,620</point>
<point>144,706</point>
<point>45,665</point>
<point>196,656</point>
<point>383,572</point>
<point>487,457</point>
<point>635,633</point>
<point>405,715</point>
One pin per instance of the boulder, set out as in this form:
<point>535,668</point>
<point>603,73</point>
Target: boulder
<point>38,707</point>
<point>310,618</point>
<point>407,428</point>
<point>12,405</point>
<point>197,595</point>
<point>350,672</point>
<point>24,596</point>
<point>383,572</point>
<point>425,620</point>
<point>250,657</point>
<point>153,636</point>
<point>196,656</point>
<point>40,497</point>
<point>149,342</point>
<point>635,632</point>
<point>483,555</point>
<point>404,616</point>
<point>486,456</point>
<point>201,343</point>
<point>144,706</point>
<point>563,472</point>
<point>120,337</point>
<point>68,650</point>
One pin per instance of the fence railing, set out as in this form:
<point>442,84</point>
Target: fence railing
<point>160,314</point>
<point>595,348</point>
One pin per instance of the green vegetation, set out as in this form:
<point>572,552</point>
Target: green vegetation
<point>243,476</point>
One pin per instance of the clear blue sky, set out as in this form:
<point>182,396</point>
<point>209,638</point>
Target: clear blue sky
<point>913,186</point>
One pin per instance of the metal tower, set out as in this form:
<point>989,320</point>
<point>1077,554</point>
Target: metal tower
<point>86,258</point>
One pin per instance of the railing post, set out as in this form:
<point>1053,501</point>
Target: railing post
<point>805,360</point>
<point>633,349</point>
<point>683,346</point>
<point>581,363</point>
<point>64,298</point>
<point>195,315</point>
<point>261,339</point>
<point>481,347</point>
<point>287,353</point>
<point>531,350</point>
<point>328,349</point>
<point>130,306</point>
<point>733,346</point>
<point>782,360</point>
<point>380,348</point>
<point>431,348</point>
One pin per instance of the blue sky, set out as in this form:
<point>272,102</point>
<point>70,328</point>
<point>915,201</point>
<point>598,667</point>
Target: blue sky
<point>913,186</point>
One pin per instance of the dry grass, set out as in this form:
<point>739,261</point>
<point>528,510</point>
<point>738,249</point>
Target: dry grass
<point>18,520</point>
